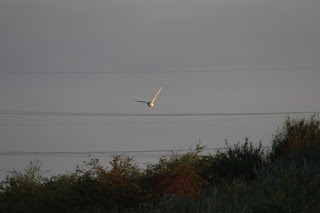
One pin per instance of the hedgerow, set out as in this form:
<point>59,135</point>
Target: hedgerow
<point>242,178</point>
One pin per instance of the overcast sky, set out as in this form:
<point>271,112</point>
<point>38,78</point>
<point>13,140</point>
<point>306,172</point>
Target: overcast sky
<point>210,56</point>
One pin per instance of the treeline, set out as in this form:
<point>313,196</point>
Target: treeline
<point>244,178</point>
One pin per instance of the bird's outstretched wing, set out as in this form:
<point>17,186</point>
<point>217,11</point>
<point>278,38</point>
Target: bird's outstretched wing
<point>154,98</point>
<point>140,101</point>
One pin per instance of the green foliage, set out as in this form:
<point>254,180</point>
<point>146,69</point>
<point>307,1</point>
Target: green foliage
<point>282,186</point>
<point>176,175</point>
<point>237,161</point>
<point>124,182</point>
<point>120,187</point>
<point>58,193</point>
<point>21,182</point>
<point>23,189</point>
<point>290,185</point>
<point>295,134</point>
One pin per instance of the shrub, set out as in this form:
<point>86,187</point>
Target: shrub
<point>23,190</point>
<point>124,182</point>
<point>237,161</point>
<point>117,188</point>
<point>59,194</point>
<point>176,175</point>
<point>295,134</point>
<point>21,182</point>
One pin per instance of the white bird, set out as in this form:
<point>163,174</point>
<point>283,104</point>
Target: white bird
<point>151,103</point>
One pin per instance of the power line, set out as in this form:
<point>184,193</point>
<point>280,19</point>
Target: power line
<point>101,114</point>
<point>100,153</point>
<point>124,123</point>
<point>257,69</point>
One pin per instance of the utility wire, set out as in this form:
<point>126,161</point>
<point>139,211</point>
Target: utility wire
<point>257,69</point>
<point>124,123</point>
<point>100,153</point>
<point>101,114</point>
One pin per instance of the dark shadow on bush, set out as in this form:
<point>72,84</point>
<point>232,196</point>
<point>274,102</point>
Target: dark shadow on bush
<point>238,161</point>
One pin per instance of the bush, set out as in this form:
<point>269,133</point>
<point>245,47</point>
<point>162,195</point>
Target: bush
<point>22,190</point>
<point>176,175</point>
<point>295,134</point>
<point>59,194</point>
<point>118,188</point>
<point>238,161</point>
<point>124,182</point>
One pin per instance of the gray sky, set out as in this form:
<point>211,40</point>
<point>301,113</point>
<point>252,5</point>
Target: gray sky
<point>210,56</point>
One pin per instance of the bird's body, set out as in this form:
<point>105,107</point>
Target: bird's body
<point>151,103</point>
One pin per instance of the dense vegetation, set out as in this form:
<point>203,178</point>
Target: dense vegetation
<point>244,178</point>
